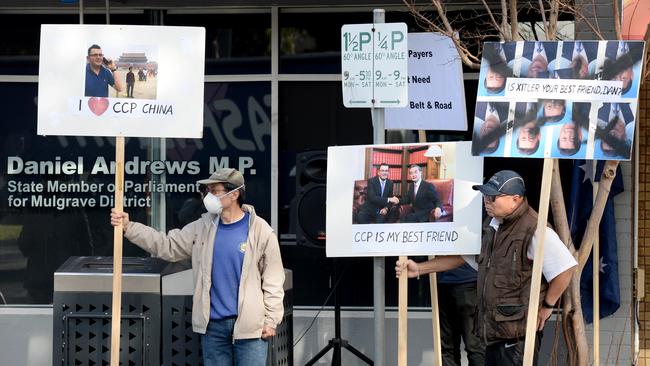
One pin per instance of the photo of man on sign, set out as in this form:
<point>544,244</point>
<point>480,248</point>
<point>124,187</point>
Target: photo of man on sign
<point>498,68</point>
<point>615,131</point>
<point>622,62</point>
<point>490,123</point>
<point>100,74</point>
<point>110,71</point>
<point>570,138</point>
<point>538,59</point>
<point>578,60</point>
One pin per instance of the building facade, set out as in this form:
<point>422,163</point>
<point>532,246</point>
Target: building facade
<point>272,93</point>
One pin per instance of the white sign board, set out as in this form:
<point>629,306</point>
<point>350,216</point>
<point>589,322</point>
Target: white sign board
<point>567,100</point>
<point>374,65</point>
<point>118,80</point>
<point>442,217</point>
<point>435,87</point>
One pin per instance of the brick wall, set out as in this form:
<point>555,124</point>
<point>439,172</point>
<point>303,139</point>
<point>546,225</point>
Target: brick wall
<point>600,13</point>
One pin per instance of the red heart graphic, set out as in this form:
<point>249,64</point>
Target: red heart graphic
<point>98,105</point>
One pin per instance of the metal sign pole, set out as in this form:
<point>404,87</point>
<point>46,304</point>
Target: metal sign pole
<point>379,263</point>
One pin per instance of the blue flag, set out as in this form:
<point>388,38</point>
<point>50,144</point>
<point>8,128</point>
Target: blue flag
<point>579,210</point>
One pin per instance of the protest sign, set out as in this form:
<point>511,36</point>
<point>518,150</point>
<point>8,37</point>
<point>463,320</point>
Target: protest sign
<point>435,87</point>
<point>118,80</point>
<point>574,100</point>
<point>441,215</point>
<point>88,87</point>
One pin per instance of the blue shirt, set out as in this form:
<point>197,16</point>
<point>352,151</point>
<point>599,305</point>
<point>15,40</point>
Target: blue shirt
<point>227,260</point>
<point>462,274</point>
<point>97,85</point>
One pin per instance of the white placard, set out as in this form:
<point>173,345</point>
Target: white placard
<point>374,65</point>
<point>449,167</point>
<point>567,100</point>
<point>520,89</point>
<point>435,87</point>
<point>118,80</point>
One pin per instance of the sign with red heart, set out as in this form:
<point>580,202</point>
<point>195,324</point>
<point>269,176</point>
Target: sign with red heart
<point>98,105</point>
<point>123,80</point>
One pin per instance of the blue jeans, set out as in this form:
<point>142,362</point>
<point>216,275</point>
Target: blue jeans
<point>220,350</point>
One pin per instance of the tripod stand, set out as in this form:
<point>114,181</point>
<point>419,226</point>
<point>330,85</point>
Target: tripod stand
<point>337,342</point>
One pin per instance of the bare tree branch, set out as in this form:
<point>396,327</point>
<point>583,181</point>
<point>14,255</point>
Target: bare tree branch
<point>504,21</point>
<point>466,56</point>
<point>491,15</point>
<point>543,12</point>
<point>617,20</point>
<point>568,7</point>
<point>514,21</point>
<point>593,3</point>
<point>554,14</point>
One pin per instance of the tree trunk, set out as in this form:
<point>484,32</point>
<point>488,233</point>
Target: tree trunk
<point>514,21</point>
<point>572,321</point>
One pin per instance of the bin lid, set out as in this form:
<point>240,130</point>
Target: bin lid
<point>95,274</point>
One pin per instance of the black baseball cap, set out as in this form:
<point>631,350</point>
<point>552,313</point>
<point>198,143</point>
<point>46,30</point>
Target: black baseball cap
<point>503,182</point>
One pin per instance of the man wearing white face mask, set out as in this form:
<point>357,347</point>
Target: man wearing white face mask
<point>238,272</point>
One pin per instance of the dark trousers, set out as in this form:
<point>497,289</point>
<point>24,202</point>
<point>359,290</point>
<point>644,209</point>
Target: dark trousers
<point>129,90</point>
<point>511,352</point>
<point>366,216</point>
<point>457,303</point>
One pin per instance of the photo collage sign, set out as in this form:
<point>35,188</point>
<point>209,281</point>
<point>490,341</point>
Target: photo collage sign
<point>572,99</point>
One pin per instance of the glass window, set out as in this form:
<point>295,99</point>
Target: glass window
<point>312,117</point>
<point>56,192</point>
<point>310,43</point>
<point>236,134</point>
<point>234,43</point>
<point>55,196</point>
<point>19,52</point>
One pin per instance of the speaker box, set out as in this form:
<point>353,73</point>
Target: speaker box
<point>311,178</point>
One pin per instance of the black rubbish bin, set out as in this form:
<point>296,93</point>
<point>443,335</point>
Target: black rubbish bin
<point>82,311</point>
<point>156,322</point>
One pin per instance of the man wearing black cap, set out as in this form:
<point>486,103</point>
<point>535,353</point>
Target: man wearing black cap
<point>238,273</point>
<point>504,271</point>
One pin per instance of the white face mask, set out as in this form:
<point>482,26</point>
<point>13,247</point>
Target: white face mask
<point>213,203</point>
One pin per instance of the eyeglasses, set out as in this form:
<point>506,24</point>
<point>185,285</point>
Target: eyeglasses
<point>554,103</point>
<point>215,191</point>
<point>489,198</point>
<point>96,55</point>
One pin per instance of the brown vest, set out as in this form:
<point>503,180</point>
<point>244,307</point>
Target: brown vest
<point>504,277</point>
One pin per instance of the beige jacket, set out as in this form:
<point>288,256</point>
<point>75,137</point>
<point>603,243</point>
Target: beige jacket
<point>262,277</point>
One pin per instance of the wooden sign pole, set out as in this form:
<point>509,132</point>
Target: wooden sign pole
<point>402,321</point>
<point>435,317</point>
<point>540,233</point>
<point>118,232</point>
<point>595,261</point>
<point>433,290</point>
